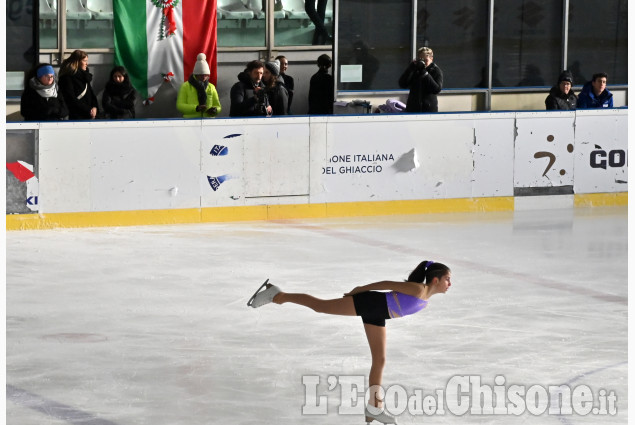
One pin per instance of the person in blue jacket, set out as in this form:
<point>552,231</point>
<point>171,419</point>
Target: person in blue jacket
<point>594,93</point>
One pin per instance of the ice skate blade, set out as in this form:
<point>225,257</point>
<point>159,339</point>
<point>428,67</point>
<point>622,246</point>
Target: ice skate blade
<point>253,297</point>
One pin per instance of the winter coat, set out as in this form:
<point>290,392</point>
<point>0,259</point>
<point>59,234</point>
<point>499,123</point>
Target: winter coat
<point>321,94</point>
<point>118,100</point>
<point>557,100</point>
<point>72,86</point>
<point>244,102</point>
<point>289,84</point>
<point>34,107</point>
<point>424,84</point>
<point>587,99</point>
<point>278,97</point>
<point>187,101</point>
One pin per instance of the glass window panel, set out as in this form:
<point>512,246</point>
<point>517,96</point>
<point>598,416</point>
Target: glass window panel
<point>527,42</point>
<point>89,24</point>
<point>456,30</point>
<point>48,24</point>
<point>20,46</point>
<point>598,40</point>
<point>297,23</point>
<point>241,23</point>
<point>376,35</point>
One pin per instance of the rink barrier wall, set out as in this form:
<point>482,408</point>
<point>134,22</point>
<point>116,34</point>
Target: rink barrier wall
<point>286,212</point>
<point>106,173</point>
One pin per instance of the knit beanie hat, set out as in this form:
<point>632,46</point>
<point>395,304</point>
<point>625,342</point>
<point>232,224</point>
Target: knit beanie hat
<point>273,67</point>
<point>565,76</point>
<point>45,70</point>
<point>201,67</point>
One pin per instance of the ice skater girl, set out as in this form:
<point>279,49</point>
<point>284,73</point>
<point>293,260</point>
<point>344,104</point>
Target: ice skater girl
<point>374,307</point>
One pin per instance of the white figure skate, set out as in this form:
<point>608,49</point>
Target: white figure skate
<point>262,297</point>
<point>377,414</point>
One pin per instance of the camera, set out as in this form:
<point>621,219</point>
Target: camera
<point>261,105</point>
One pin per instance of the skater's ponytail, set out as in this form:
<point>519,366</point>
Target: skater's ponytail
<point>428,270</point>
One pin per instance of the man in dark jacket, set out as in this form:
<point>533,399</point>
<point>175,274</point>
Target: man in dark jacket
<point>289,83</point>
<point>321,88</point>
<point>561,97</point>
<point>594,93</point>
<point>425,80</point>
<point>248,97</point>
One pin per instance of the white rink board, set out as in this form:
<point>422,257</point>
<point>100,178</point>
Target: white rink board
<point>64,169</point>
<point>276,159</point>
<point>601,158</point>
<point>171,164</point>
<point>370,161</point>
<point>493,160</point>
<point>221,154</point>
<point>544,150</point>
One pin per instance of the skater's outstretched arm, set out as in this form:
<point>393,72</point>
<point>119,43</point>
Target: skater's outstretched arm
<point>408,288</point>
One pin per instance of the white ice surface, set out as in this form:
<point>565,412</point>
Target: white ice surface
<point>148,325</point>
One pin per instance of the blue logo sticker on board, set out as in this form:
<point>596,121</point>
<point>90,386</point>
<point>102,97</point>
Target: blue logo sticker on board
<point>219,150</point>
<point>215,182</point>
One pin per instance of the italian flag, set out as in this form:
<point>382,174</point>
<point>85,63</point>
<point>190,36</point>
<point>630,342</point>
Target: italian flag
<point>156,40</point>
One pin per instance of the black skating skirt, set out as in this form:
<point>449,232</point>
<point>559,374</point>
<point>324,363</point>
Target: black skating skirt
<point>372,307</point>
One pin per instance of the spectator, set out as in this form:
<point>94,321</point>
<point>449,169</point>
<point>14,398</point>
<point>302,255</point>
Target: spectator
<point>562,96</point>
<point>75,87</point>
<point>41,99</point>
<point>119,95</point>
<point>248,97</point>
<point>288,80</point>
<point>197,96</point>
<point>424,79</point>
<point>594,93</point>
<point>275,89</point>
<point>321,88</point>
<point>317,16</point>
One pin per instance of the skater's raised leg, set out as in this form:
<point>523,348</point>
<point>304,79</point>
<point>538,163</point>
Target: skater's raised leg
<point>338,306</point>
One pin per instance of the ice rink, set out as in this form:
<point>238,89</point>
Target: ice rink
<point>149,325</point>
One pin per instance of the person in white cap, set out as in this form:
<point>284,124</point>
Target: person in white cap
<point>197,96</point>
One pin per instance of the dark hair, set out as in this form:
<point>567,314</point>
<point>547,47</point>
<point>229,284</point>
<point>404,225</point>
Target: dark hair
<point>428,270</point>
<point>121,70</point>
<point>324,61</point>
<point>255,64</point>
<point>600,75</point>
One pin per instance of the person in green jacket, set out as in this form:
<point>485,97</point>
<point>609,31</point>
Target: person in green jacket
<point>197,96</point>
